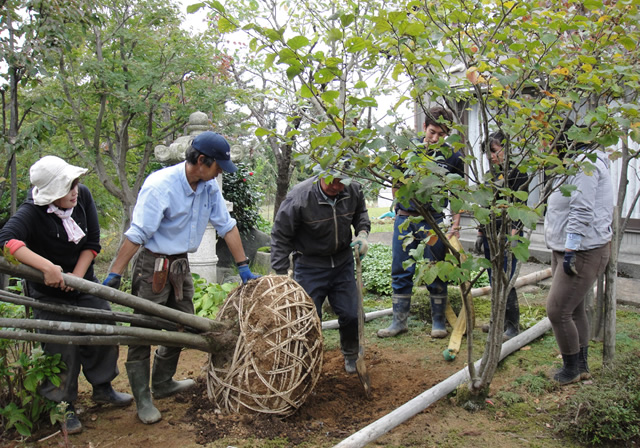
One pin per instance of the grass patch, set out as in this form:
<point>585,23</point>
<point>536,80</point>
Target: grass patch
<point>607,411</point>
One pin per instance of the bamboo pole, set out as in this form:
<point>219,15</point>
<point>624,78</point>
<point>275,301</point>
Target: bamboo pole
<point>441,390</point>
<point>119,297</point>
<point>528,279</point>
<point>144,335</point>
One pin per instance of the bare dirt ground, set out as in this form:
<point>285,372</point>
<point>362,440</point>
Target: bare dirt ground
<point>336,409</point>
<point>400,370</point>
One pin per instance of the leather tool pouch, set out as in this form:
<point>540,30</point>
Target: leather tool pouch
<point>160,272</point>
<point>178,271</point>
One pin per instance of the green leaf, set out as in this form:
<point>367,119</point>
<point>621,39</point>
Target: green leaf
<point>270,59</point>
<point>521,251</point>
<point>215,4</point>
<point>225,26</point>
<point>298,42</point>
<point>334,34</point>
<point>305,92</point>
<point>194,8</point>
<point>414,29</point>
<point>521,195</point>
<point>330,96</point>
<point>294,70</point>
<point>355,44</point>
<point>346,19</point>
<point>324,76</point>
<point>272,34</point>
<point>592,4</point>
<point>567,189</point>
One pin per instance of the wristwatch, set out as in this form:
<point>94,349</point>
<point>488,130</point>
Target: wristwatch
<point>243,262</point>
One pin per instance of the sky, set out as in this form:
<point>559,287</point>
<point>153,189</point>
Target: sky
<point>193,22</point>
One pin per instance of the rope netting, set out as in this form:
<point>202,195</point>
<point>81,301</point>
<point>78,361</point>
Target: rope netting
<point>278,357</point>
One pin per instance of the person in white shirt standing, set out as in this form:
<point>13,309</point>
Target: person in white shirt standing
<point>169,219</point>
<point>578,230</point>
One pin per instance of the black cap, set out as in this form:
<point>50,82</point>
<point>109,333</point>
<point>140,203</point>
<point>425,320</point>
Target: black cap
<point>214,145</point>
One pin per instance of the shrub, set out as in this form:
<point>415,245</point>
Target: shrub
<point>239,189</point>
<point>208,297</point>
<point>609,411</point>
<point>376,269</point>
<point>23,367</point>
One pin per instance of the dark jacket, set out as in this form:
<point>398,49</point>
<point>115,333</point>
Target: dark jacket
<point>44,234</point>
<point>453,164</point>
<point>317,232</point>
<point>515,181</point>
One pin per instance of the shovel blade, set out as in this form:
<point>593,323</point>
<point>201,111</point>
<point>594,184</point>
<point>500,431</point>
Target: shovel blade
<point>361,368</point>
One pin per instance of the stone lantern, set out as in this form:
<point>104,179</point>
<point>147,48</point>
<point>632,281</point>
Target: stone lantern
<point>204,261</point>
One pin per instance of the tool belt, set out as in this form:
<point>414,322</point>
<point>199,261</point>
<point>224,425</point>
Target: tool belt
<point>175,268</point>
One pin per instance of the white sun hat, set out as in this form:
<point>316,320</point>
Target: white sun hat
<point>52,178</point>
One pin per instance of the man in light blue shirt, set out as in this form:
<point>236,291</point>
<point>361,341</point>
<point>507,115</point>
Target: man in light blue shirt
<point>169,219</point>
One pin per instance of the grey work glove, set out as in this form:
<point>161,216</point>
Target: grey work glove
<point>478,246</point>
<point>361,243</point>
<point>569,263</point>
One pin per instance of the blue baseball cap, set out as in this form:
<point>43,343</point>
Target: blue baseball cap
<point>214,145</point>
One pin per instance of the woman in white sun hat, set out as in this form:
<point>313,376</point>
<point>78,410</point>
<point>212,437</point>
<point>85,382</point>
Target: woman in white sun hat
<point>56,230</point>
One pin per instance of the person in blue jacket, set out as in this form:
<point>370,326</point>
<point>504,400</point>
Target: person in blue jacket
<point>436,127</point>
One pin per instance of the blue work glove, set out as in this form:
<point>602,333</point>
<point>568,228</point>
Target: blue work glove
<point>246,274</point>
<point>113,280</point>
<point>361,243</point>
<point>569,263</point>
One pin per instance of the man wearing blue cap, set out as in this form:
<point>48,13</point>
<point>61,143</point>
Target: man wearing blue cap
<point>174,206</point>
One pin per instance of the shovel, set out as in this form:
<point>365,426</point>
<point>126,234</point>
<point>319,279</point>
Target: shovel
<point>361,368</point>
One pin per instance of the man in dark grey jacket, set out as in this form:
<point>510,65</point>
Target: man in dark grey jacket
<point>314,224</point>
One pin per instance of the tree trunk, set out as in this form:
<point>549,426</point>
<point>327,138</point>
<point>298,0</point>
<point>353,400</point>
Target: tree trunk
<point>92,314</point>
<point>609,345</point>
<point>142,336</point>
<point>122,298</point>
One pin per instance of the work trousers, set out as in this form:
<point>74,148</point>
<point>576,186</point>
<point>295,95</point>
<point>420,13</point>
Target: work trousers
<point>401,278</point>
<point>338,284</point>
<point>487,255</point>
<point>565,302</point>
<point>141,284</point>
<point>97,362</point>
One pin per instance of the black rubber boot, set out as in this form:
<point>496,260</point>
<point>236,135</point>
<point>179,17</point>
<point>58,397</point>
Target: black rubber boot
<point>138,373</point>
<point>350,366</point>
<point>569,372</point>
<point>401,308</point>
<point>583,366</point>
<point>511,316</point>
<point>162,383</point>
<point>71,423</point>
<point>438,318</point>
<point>105,394</point>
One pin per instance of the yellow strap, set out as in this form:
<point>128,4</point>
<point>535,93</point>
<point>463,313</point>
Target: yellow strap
<point>459,323</point>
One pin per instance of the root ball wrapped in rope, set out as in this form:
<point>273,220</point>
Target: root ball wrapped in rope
<point>278,356</point>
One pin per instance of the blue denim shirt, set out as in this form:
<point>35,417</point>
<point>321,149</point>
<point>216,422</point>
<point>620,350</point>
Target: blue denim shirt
<point>170,218</point>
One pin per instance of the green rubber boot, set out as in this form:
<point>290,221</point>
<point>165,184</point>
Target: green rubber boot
<point>401,308</point>
<point>138,373</point>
